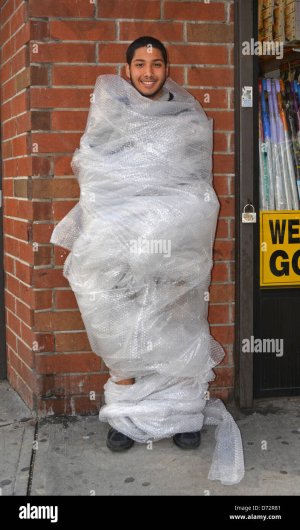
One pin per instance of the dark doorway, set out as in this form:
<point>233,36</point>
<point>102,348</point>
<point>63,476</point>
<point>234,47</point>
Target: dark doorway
<point>261,313</point>
<point>276,310</point>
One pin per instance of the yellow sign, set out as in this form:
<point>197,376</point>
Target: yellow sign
<point>280,248</point>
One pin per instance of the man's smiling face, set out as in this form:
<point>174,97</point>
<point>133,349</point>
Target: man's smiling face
<point>148,72</point>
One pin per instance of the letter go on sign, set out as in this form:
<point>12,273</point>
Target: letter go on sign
<point>279,248</point>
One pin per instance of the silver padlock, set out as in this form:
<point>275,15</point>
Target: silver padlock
<point>249,217</point>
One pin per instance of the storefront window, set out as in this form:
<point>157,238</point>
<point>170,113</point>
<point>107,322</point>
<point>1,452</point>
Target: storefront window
<point>279,142</point>
<point>279,106</point>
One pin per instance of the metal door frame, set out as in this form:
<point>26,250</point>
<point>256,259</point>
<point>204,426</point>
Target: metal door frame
<point>245,190</point>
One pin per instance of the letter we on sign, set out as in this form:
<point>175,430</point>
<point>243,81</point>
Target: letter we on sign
<point>280,248</point>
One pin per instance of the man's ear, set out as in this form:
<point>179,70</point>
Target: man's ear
<point>127,70</point>
<point>168,69</point>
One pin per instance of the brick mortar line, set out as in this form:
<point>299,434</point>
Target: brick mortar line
<point>17,73</point>
<point>25,156</point>
<point>14,34</point>
<point>41,267</point>
<point>218,304</point>
<point>36,290</point>
<point>31,221</point>
<point>41,354</point>
<point>227,6</point>
<point>14,96</point>
<point>19,375</point>
<point>68,331</point>
<point>122,63</point>
<point>13,137</point>
<point>225,325</point>
<point>25,343</point>
<point>16,278</point>
<point>24,199</point>
<point>12,56</point>
<point>57,310</point>
<point>14,117</point>
<point>47,310</point>
<point>117,42</point>
<point>32,368</point>
<point>14,12</point>
<point>122,19</point>
<point>203,87</point>
<point>21,340</point>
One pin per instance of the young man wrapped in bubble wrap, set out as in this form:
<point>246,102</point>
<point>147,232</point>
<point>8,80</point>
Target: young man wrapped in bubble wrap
<point>141,240</point>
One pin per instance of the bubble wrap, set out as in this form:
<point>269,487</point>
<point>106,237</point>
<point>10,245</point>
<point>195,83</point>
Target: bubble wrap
<point>141,241</point>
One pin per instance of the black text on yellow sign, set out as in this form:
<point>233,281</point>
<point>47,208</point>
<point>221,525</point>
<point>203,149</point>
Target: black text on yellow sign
<point>280,248</point>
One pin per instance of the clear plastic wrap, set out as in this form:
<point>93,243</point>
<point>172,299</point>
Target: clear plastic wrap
<point>141,241</point>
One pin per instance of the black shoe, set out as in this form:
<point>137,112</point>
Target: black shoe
<point>117,441</point>
<point>187,440</point>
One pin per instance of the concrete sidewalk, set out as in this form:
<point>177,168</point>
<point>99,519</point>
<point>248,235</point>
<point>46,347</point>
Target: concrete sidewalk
<point>71,458</point>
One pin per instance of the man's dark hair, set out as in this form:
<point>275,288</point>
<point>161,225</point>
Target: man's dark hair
<point>145,41</point>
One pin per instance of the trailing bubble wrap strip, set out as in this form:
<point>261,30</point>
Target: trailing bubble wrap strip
<point>141,240</point>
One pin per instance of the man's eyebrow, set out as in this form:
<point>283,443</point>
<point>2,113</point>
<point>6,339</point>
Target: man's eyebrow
<point>143,60</point>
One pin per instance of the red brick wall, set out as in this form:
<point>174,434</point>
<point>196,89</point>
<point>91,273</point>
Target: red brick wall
<point>52,51</point>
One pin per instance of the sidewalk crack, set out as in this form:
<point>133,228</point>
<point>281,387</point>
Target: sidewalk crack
<point>32,460</point>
